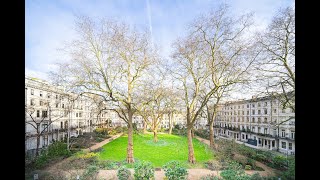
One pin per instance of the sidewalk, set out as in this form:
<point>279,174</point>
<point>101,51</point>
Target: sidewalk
<point>100,144</point>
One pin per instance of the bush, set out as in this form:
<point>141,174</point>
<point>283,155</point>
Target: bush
<point>247,167</point>
<point>203,133</point>
<point>123,173</point>
<point>234,172</point>
<point>41,161</point>
<point>213,165</point>
<point>210,177</point>
<point>101,131</point>
<point>90,172</point>
<point>290,173</point>
<point>279,161</point>
<point>173,170</point>
<point>261,157</point>
<point>87,155</point>
<point>58,149</point>
<point>107,164</point>
<point>143,170</point>
<point>252,163</point>
<point>256,176</point>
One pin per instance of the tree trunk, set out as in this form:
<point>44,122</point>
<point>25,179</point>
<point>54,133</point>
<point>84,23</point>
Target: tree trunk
<point>130,158</point>
<point>38,144</point>
<point>170,123</point>
<point>38,140</point>
<point>211,135</point>
<point>155,135</point>
<point>191,157</point>
<point>144,127</point>
<point>192,133</point>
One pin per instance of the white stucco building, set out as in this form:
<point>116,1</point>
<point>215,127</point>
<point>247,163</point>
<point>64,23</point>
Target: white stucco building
<point>256,123</point>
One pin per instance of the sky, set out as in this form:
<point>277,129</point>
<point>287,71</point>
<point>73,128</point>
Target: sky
<point>50,23</point>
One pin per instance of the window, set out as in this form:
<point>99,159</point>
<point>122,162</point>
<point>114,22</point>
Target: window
<point>290,146</point>
<point>32,92</point>
<point>44,114</point>
<point>242,112</point>
<point>247,112</point>
<point>239,107</point>
<point>259,104</point>
<point>253,119</point>
<point>265,103</point>
<point>252,129</point>
<point>247,105</point>
<point>242,136</point>
<point>283,145</point>
<point>259,120</point>
<point>32,102</point>
<point>265,130</point>
<point>246,136</point>
<point>253,112</point>
<point>265,120</point>
<point>259,111</point>
<point>57,96</point>
<point>61,125</point>
<point>283,133</point>
<point>259,129</point>
<point>265,111</point>
<point>76,114</point>
<point>242,119</point>
<point>247,119</point>
<point>40,93</point>
<point>62,105</point>
<point>57,105</point>
<point>292,135</point>
<point>275,110</point>
<point>38,113</point>
<point>252,105</point>
<point>49,95</point>
<point>80,114</point>
<point>41,103</point>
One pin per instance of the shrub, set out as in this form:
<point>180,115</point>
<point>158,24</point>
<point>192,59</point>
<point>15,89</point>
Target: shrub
<point>210,177</point>
<point>91,171</point>
<point>234,172</point>
<point>252,163</point>
<point>247,167</point>
<point>101,131</point>
<point>173,170</point>
<point>256,176</point>
<point>261,157</point>
<point>290,173</point>
<point>123,173</point>
<point>107,164</point>
<point>41,161</point>
<point>213,165</point>
<point>279,161</point>
<point>90,155</point>
<point>143,170</point>
<point>203,133</point>
<point>57,149</point>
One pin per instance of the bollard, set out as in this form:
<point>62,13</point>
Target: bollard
<point>35,177</point>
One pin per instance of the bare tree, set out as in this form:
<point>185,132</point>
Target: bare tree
<point>211,57</point>
<point>276,62</point>
<point>37,120</point>
<point>108,59</point>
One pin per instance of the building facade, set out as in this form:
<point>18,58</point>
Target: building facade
<point>259,123</point>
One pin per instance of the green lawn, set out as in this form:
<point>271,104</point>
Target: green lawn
<point>169,147</point>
